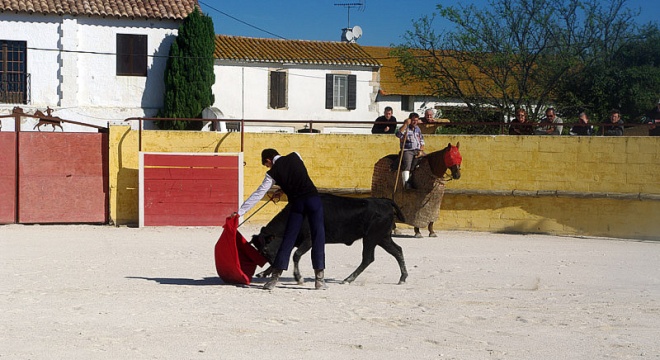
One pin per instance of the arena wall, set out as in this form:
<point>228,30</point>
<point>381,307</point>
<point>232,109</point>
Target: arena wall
<point>591,186</point>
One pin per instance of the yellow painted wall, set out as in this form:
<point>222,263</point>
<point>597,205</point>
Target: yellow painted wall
<point>529,163</point>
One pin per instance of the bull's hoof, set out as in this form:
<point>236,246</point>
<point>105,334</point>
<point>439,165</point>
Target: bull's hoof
<point>418,235</point>
<point>433,234</point>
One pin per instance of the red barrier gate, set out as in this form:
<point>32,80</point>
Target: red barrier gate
<point>191,189</point>
<point>62,177</point>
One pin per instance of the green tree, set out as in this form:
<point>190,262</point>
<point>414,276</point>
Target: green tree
<point>189,73</point>
<point>509,54</point>
<point>626,77</point>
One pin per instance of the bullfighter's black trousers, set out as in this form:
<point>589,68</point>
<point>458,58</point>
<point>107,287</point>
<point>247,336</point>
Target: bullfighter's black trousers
<point>313,208</point>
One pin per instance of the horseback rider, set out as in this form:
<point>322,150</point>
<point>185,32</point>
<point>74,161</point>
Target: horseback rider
<point>411,145</point>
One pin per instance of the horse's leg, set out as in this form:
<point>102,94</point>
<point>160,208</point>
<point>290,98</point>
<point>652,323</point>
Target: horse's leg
<point>368,247</point>
<point>302,249</point>
<point>431,232</point>
<point>418,234</point>
<point>395,230</point>
<point>395,250</point>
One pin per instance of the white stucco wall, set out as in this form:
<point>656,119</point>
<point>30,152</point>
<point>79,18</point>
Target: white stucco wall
<point>86,88</point>
<point>241,91</point>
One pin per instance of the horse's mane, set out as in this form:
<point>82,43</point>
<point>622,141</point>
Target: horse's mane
<point>435,159</point>
<point>437,162</point>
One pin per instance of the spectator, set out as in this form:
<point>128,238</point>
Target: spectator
<point>613,127</point>
<point>583,128</point>
<point>429,116</point>
<point>381,126</point>
<point>520,125</point>
<point>653,119</point>
<point>411,144</point>
<point>549,125</point>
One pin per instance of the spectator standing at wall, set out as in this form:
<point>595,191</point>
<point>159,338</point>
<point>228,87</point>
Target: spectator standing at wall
<point>583,128</point>
<point>411,144</point>
<point>613,126</point>
<point>429,116</point>
<point>653,119</point>
<point>550,125</point>
<point>381,126</point>
<point>520,125</point>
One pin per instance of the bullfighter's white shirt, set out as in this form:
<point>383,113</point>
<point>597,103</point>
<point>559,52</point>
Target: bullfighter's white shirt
<point>258,194</point>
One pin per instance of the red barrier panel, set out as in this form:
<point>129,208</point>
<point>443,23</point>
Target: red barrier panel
<point>63,177</point>
<point>7,177</point>
<point>189,189</point>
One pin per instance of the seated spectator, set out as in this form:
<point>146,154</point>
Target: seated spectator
<point>613,126</point>
<point>549,124</point>
<point>520,125</point>
<point>583,128</point>
<point>653,119</point>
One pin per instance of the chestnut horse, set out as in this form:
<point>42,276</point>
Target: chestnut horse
<point>421,204</point>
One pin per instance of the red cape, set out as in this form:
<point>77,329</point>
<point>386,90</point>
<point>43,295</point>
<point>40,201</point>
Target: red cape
<point>235,259</point>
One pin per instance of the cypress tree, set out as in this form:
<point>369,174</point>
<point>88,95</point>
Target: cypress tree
<point>189,73</point>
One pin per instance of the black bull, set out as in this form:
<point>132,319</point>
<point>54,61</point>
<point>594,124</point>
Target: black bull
<point>346,220</point>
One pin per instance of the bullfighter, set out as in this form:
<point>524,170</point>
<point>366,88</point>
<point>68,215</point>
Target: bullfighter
<point>290,174</point>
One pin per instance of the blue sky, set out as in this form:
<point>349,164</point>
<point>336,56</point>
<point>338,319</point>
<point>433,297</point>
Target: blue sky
<point>383,22</point>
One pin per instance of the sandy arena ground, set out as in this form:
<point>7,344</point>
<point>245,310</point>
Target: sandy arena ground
<point>102,292</point>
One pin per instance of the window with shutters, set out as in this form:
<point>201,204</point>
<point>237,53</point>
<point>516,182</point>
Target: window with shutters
<point>277,90</point>
<point>14,79</point>
<point>407,103</point>
<point>340,91</point>
<point>131,55</point>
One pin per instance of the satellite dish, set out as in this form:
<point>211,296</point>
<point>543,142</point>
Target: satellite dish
<point>348,35</point>
<point>357,32</point>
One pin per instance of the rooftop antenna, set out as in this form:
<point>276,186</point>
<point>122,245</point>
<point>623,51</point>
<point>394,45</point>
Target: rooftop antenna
<point>360,5</point>
<point>351,34</point>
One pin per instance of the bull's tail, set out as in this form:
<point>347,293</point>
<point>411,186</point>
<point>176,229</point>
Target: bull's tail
<point>397,211</point>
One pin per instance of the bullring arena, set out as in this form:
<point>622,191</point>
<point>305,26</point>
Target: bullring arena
<point>547,248</point>
<point>103,292</point>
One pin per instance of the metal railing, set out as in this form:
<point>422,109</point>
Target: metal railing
<point>17,113</point>
<point>238,125</point>
<point>15,88</point>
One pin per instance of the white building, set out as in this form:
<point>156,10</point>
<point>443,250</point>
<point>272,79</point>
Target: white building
<point>74,57</point>
<point>271,79</point>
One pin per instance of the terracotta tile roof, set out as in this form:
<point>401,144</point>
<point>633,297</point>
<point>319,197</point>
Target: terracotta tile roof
<point>390,84</point>
<point>291,51</point>
<point>150,9</point>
